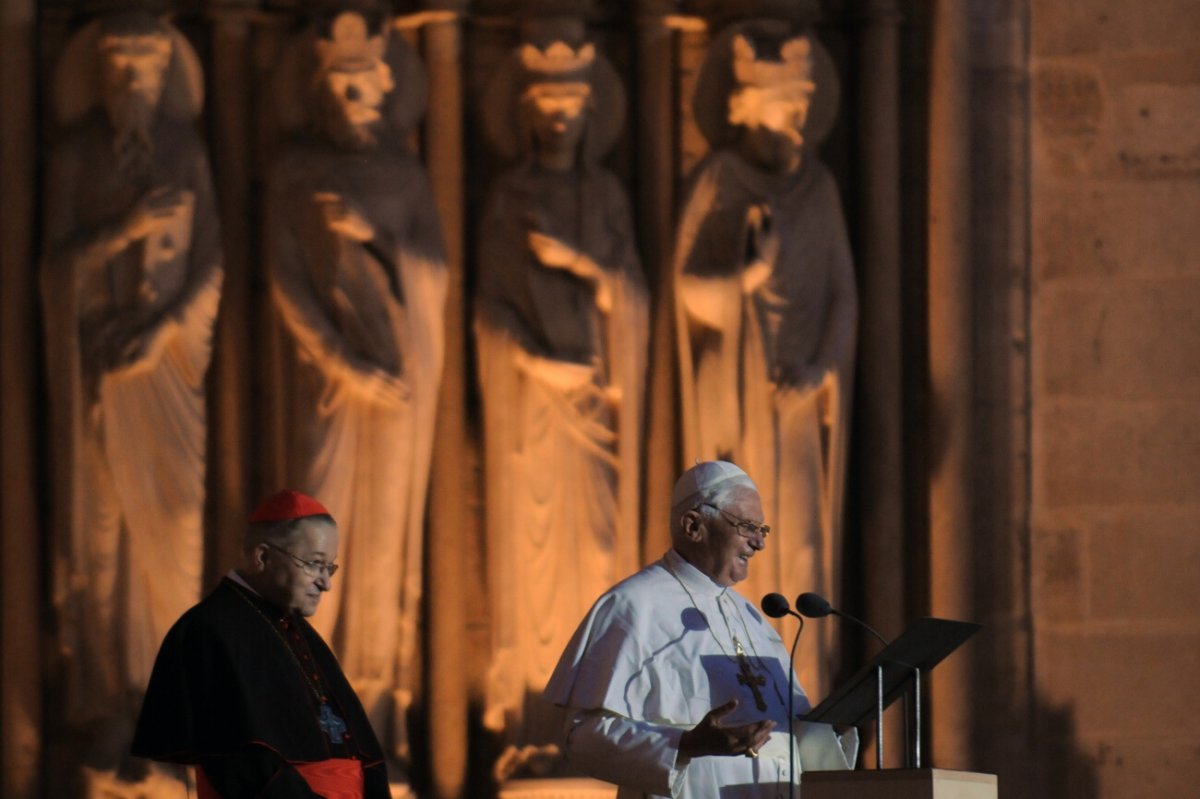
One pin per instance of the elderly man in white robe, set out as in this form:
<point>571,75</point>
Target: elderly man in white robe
<point>674,684</point>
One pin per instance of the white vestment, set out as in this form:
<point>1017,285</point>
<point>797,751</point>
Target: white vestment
<point>653,656</point>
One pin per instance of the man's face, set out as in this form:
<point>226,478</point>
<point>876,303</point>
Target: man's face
<point>286,582</point>
<point>132,68</point>
<point>726,551</point>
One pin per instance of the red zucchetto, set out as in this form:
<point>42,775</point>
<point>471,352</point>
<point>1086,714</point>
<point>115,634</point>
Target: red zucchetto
<point>287,505</point>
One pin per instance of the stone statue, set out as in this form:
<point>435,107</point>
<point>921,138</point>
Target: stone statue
<point>562,331</point>
<point>766,302</point>
<point>131,280</point>
<point>359,277</point>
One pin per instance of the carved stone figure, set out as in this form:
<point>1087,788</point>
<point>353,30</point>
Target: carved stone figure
<point>766,301</point>
<point>562,334</point>
<point>131,280</point>
<point>358,274</point>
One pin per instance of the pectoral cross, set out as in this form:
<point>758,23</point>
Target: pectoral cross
<point>332,724</point>
<point>748,678</point>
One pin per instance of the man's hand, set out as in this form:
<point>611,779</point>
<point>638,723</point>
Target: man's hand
<point>711,737</point>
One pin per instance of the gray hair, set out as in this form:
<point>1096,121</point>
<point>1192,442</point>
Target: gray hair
<point>706,502</point>
<point>278,533</point>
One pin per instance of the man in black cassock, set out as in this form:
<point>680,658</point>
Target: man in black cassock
<point>244,688</point>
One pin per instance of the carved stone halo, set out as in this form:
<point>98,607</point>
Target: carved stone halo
<point>403,107</point>
<point>76,85</point>
<point>710,102</point>
<point>501,104</point>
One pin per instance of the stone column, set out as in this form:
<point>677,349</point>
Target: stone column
<point>950,366</point>
<point>453,487</point>
<point>20,544</point>
<point>656,136</point>
<point>228,105</point>
<point>878,472</point>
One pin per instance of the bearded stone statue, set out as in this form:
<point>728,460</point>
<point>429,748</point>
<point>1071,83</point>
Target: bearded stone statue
<point>131,280</point>
<point>766,302</point>
<point>562,331</point>
<point>359,277</point>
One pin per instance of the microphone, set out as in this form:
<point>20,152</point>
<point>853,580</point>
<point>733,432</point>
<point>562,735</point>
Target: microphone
<point>776,606</point>
<point>815,606</point>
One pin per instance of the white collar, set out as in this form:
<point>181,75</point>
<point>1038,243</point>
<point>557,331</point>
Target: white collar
<point>692,578</point>
<point>234,575</point>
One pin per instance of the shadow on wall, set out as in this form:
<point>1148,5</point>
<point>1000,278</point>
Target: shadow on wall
<point>1064,771</point>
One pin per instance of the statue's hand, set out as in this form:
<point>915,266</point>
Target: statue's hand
<point>343,218</point>
<point>379,384</point>
<point>132,342</point>
<point>761,247</point>
<point>711,737</point>
<point>555,253</point>
<point>152,212</point>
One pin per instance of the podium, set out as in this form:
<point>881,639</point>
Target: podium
<point>898,783</point>
<point>882,680</point>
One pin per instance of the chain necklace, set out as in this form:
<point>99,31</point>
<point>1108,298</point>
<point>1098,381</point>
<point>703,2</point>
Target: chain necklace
<point>746,668</point>
<point>329,721</point>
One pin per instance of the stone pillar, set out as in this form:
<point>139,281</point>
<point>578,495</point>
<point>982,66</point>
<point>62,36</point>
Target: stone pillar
<point>453,487</point>
<point>228,105</point>
<point>878,471</point>
<point>656,136</point>
<point>1000,240</point>
<point>950,366</point>
<point>20,545</point>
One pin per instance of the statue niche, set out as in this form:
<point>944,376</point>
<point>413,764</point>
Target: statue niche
<point>131,280</point>
<point>359,277</point>
<point>766,301</point>
<point>562,331</point>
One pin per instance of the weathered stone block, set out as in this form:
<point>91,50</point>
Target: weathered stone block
<point>1057,576</point>
<point>1155,129</point>
<point>1126,768</point>
<point>1125,684</point>
<point>1115,453</point>
<point>1067,99</point>
<point>1120,340</point>
<point>1145,566</point>
<point>1086,230</point>
<point>1076,27</point>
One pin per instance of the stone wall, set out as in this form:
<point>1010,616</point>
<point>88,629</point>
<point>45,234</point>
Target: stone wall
<point>1115,310</point>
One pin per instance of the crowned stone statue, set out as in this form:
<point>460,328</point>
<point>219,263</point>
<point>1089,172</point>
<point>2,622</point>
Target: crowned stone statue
<point>131,279</point>
<point>359,277</point>
<point>562,332</point>
<point>766,301</point>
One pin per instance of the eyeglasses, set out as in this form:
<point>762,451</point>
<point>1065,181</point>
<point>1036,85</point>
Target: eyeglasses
<point>312,568</point>
<point>744,527</point>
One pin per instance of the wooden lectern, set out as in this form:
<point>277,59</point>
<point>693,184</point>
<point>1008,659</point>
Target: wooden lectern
<point>898,783</point>
<point>865,696</point>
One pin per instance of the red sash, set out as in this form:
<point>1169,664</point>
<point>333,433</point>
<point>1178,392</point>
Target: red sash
<point>337,778</point>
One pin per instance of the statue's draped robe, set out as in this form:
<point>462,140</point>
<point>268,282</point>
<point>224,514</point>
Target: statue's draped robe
<point>737,349</point>
<point>562,383</point>
<point>366,459</point>
<point>128,448</point>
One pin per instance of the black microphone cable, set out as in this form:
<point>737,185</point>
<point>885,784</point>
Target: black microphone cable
<point>776,606</point>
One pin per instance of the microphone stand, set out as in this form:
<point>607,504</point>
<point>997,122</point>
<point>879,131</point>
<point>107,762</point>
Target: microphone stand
<point>816,606</point>
<point>792,712</point>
